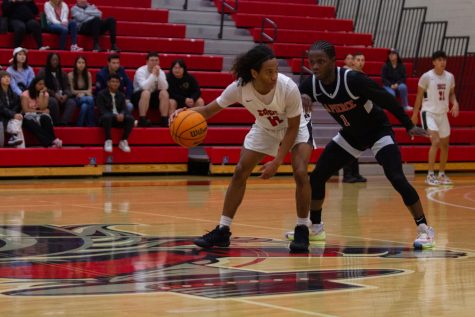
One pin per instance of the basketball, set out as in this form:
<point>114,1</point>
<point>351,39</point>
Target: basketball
<point>189,128</point>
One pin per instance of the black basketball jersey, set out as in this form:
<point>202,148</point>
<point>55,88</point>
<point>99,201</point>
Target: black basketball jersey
<point>351,100</point>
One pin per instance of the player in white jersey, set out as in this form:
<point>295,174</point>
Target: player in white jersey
<point>281,126</point>
<point>436,90</point>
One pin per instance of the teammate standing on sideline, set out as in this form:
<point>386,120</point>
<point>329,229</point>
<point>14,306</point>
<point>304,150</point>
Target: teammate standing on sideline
<point>275,102</point>
<point>435,90</point>
<point>348,96</point>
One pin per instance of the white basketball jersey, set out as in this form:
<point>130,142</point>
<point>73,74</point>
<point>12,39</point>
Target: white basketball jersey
<point>271,110</point>
<point>436,98</point>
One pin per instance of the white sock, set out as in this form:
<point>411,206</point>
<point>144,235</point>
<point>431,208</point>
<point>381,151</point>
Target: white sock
<point>225,221</point>
<point>303,221</point>
<point>441,173</point>
<point>430,173</point>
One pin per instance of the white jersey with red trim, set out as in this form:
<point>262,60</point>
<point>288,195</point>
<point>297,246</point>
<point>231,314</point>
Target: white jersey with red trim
<point>271,110</point>
<point>437,91</point>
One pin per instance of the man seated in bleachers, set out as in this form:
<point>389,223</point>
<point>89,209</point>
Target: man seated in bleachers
<point>90,22</point>
<point>113,67</point>
<point>150,90</point>
<point>111,104</point>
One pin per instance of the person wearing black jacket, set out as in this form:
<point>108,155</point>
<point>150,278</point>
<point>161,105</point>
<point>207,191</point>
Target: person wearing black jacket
<point>21,16</point>
<point>10,116</point>
<point>356,102</point>
<point>183,88</point>
<point>114,113</point>
<point>393,74</point>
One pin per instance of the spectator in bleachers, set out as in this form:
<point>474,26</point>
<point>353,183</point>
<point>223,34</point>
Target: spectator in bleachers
<point>90,22</point>
<point>393,75</point>
<point>22,19</point>
<point>21,73</point>
<point>10,116</point>
<point>113,67</point>
<point>36,119</point>
<point>80,81</point>
<point>349,61</point>
<point>183,88</point>
<point>150,90</point>
<point>358,61</point>
<point>57,21</point>
<point>114,113</point>
<point>56,81</point>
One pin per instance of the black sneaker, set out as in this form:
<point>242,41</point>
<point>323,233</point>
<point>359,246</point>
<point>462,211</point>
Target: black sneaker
<point>144,123</point>
<point>360,179</point>
<point>301,242</point>
<point>219,237</point>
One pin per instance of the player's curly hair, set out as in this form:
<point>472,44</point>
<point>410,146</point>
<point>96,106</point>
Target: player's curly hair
<point>252,59</point>
<point>325,46</point>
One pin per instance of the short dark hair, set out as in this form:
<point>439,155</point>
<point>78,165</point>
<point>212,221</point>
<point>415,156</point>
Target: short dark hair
<point>359,53</point>
<point>113,56</point>
<point>152,54</point>
<point>327,47</point>
<point>113,76</point>
<point>439,54</point>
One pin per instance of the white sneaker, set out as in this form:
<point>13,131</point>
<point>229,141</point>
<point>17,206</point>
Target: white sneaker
<point>108,146</point>
<point>124,146</point>
<point>57,143</point>
<point>76,48</point>
<point>44,48</point>
<point>444,180</point>
<point>432,180</point>
<point>408,108</point>
<point>425,237</point>
<point>317,233</point>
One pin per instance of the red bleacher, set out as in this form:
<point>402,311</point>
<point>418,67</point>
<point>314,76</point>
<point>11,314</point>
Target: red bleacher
<point>141,28</point>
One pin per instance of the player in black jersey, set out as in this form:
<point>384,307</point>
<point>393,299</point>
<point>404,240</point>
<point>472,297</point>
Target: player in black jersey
<point>355,101</point>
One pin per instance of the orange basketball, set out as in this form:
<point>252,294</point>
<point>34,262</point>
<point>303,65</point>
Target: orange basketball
<point>189,128</point>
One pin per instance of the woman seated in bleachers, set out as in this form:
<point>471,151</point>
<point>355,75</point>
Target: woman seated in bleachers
<point>80,81</point>
<point>21,74</point>
<point>10,116</point>
<point>393,75</point>
<point>57,21</point>
<point>61,98</point>
<point>36,119</point>
<point>183,88</point>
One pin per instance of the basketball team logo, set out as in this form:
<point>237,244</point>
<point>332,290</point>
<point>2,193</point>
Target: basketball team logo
<point>42,260</point>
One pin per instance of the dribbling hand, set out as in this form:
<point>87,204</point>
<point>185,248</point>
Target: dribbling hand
<point>174,114</point>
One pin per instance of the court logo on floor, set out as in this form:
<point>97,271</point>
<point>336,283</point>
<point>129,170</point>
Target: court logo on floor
<point>42,260</point>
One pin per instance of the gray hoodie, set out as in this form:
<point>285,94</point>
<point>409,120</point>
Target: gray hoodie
<point>82,15</point>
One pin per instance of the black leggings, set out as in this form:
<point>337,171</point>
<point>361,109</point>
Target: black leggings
<point>335,157</point>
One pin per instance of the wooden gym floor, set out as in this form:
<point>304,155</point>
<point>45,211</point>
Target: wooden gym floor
<point>122,247</point>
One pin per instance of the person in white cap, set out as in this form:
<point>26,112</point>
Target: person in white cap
<point>21,74</point>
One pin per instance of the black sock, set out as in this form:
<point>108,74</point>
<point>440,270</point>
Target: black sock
<point>164,121</point>
<point>316,216</point>
<point>421,220</point>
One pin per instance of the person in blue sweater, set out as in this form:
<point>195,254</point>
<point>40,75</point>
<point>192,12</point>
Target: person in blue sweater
<point>21,74</point>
